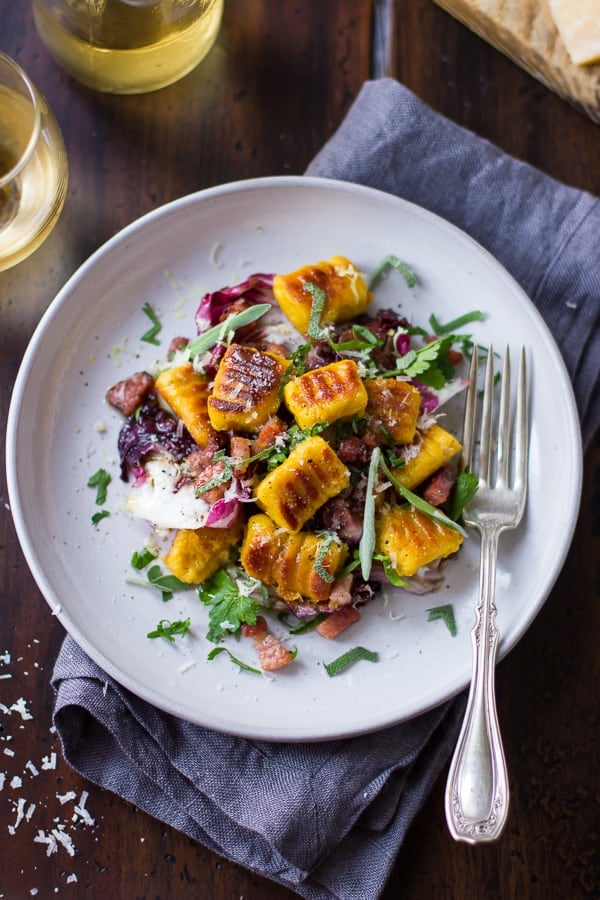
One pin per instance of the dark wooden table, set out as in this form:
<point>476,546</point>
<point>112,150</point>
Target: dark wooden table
<point>273,89</point>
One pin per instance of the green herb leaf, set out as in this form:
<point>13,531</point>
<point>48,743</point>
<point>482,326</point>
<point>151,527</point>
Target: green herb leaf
<point>392,262</point>
<point>363,340</point>
<point>100,480</point>
<point>318,305</point>
<point>97,517</point>
<point>150,335</point>
<point>367,540</point>
<point>218,333</point>
<point>304,624</point>
<point>349,658</point>
<point>230,608</point>
<point>465,489</point>
<point>416,363</point>
<point>474,316</point>
<point>298,358</point>
<point>391,574</point>
<point>238,662</point>
<point>166,584</point>
<point>446,614</point>
<point>422,505</point>
<point>168,630</point>
<point>143,558</point>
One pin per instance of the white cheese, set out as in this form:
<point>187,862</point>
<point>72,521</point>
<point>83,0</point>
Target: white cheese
<point>159,501</point>
<point>578,24</point>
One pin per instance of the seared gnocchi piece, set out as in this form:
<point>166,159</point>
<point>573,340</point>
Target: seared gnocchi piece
<point>186,392</point>
<point>394,407</point>
<point>291,563</point>
<point>293,492</point>
<point>326,394</point>
<point>246,389</point>
<point>196,554</point>
<point>437,446</point>
<point>346,293</point>
<point>410,539</point>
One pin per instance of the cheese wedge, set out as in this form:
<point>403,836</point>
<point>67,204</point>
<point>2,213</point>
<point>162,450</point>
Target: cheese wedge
<point>578,23</point>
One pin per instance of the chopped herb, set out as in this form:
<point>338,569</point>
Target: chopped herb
<point>238,662</point>
<point>446,614</point>
<point>231,605</point>
<point>150,336</point>
<point>363,340</point>
<point>329,538</point>
<point>422,505</point>
<point>97,517</point>
<point>143,558</point>
<point>474,316</point>
<point>416,363</point>
<point>318,305</point>
<point>100,480</point>
<point>464,490</point>
<point>390,573</point>
<point>218,333</point>
<point>298,358</point>
<point>168,630</point>
<point>367,540</point>
<point>166,584</point>
<point>349,658</point>
<point>392,262</point>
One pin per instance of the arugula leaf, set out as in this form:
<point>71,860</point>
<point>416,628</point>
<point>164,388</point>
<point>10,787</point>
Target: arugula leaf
<point>367,541</point>
<point>98,516</point>
<point>474,316</point>
<point>100,480</point>
<point>422,505</point>
<point>230,608</point>
<point>465,489</point>
<point>392,262</point>
<point>446,614</point>
<point>318,305</point>
<point>349,658</point>
<point>166,629</point>
<point>150,335</point>
<point>141,559</point>
<point>218,333</point>
<point>242,665</point>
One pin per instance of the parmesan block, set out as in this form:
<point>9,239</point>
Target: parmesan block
<point>579,26</point>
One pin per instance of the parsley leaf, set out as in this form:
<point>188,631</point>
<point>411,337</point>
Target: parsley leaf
<point>347,659</point>
<point>446,614</point>
<point>230,605</point>
<point>150,335</point>
<point>100,480</point>
<point>98,516</point>
<point>168,629</point>
<point>166,584</point>
<point>141,559</point>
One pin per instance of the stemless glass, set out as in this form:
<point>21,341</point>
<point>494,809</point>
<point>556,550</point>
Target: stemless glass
<point>33,166</point>
<point>128,46</point>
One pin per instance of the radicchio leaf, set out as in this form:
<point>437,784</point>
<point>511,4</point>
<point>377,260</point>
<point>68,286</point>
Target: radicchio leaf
<point>151,430</point>
<point>255,289</point>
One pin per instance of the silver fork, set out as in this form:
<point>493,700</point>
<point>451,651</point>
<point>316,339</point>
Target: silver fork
<point>477,793</point>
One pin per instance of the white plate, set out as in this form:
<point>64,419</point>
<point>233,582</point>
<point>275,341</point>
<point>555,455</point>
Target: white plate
<point>89,338</point>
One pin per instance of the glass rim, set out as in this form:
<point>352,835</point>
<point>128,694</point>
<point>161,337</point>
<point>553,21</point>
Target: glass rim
<point>29,148</point>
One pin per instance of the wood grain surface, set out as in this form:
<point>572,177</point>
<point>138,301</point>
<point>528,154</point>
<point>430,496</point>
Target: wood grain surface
<point>525,31</point>
<point>273,89</point>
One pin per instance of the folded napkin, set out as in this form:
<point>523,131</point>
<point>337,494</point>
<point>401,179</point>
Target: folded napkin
<point>327,819</point>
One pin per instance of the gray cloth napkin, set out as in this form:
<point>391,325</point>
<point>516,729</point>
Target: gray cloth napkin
<point>327,819</point>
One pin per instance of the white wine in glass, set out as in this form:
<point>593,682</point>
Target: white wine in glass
<point>33,166</point>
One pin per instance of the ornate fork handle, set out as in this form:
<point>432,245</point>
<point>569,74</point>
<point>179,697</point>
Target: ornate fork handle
<point>477,791</point>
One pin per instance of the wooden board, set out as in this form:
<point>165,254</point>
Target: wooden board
<point>524,30</point>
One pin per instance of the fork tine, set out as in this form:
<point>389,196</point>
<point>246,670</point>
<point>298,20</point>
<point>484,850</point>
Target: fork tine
<point>485,449</point>
<point>503,450</point>
<point>469,419</point>
<point>522,430</point>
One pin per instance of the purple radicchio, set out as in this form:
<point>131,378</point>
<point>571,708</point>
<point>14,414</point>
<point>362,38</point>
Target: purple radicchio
<point>255,289</point>
<point>151,430</point>
<point>225,512</point>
